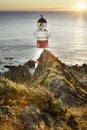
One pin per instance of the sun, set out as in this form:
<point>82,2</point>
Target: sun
<point>81,7</point>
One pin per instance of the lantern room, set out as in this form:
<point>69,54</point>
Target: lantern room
<point>42,24</point>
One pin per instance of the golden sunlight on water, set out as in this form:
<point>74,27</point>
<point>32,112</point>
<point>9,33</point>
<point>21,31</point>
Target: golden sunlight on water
<point>79,31</point>
<point>79,35</point>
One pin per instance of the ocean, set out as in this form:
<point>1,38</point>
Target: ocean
<point>68,39</point>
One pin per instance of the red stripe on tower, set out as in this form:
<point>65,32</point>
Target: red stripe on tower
<point>42,43</point>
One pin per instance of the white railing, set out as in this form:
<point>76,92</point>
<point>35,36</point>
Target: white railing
<point>43,34</point>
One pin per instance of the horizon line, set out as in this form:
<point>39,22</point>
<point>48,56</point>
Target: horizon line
<point>84,11</point>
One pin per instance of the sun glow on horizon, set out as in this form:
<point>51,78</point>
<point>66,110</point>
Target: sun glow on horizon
<point>46,5</point>
<point>81,7</point>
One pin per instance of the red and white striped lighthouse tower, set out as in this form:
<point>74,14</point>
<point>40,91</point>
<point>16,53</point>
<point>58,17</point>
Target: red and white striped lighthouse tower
<point>42,33</point>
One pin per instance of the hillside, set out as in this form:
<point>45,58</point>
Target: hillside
<point>51,99</point>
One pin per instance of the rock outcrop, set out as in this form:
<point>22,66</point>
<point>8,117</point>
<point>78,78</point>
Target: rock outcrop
<point>20,73</point>
<point>55,76</point>
<point>80,73</point>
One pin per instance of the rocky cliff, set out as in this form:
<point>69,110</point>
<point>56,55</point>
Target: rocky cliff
<point>55,76</point>
<point>51,99</point>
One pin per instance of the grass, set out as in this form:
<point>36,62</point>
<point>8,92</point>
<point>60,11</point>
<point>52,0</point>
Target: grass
<point>10,92</point>
<point>80,114</point>
<point>11,125</point>
<point>19,96</point>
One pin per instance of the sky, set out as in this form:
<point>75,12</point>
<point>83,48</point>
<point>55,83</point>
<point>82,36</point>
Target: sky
<point>40,5</point>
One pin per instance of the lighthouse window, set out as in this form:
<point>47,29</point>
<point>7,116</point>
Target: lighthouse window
<point>41,26</point>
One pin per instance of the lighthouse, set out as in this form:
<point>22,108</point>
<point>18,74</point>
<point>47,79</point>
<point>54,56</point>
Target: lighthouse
<point>42,33</point>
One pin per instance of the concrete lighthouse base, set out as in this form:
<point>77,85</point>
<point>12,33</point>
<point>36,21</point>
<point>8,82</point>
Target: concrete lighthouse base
<point>42,43</point>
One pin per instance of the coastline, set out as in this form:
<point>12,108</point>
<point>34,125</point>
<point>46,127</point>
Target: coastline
<point>80,71</point>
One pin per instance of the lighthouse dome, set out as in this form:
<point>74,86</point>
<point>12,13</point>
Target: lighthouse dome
<point>42,20</point>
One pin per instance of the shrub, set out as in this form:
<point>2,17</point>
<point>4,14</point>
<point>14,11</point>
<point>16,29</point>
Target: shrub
<point>10,92</point>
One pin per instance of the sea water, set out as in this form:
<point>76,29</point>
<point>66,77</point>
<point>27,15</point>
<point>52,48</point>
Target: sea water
<point>68,39</point>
